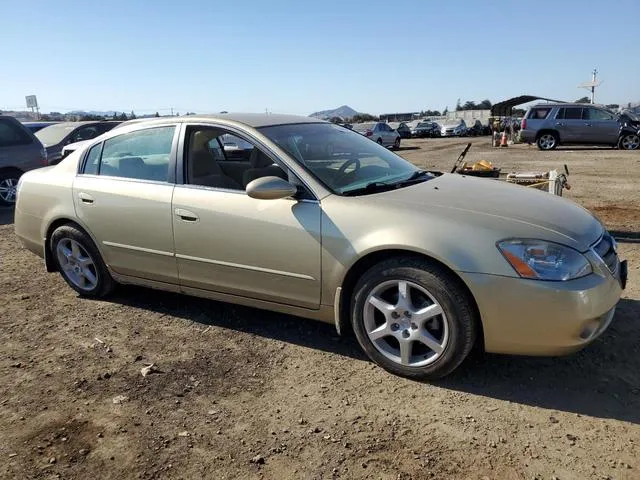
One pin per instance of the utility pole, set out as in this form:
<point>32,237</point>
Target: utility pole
<point>172,111</point>
<point>593,87</point>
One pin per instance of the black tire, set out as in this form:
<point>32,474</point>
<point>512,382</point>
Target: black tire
<point>379,141</point>
<point>396,144</point>
<point>455,301</point>
<point>8,183</point>
<point>104,282</point>
<point>629,141</point>
<point>547,141</point>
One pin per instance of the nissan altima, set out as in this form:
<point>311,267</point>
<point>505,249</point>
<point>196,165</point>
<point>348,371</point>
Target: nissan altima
<point>421,265</point>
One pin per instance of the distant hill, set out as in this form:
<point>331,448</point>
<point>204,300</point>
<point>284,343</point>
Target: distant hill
<point>344,112</point>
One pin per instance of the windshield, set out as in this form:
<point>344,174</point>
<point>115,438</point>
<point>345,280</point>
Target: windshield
<point>424,125</point>
<point>341,159</point>
<point>54,134</point>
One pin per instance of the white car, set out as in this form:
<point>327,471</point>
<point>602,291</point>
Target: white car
<point>380,133</point>
<point>454,130</point>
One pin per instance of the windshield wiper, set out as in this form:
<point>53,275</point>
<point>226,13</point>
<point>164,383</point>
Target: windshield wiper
<point>373,187</point>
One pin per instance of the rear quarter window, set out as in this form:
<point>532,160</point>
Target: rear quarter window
<point>539,113</point>
<point>12,135</point>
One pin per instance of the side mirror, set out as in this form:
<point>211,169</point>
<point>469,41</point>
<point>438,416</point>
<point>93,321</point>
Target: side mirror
<point>270,188</point>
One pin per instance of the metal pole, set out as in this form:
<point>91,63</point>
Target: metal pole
<point>593,87</point>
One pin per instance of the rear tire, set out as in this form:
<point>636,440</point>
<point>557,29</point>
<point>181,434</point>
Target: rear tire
<point>629,141</point>
<point>379,141</point>
<point>392,327</point>
<point>79,262</point>
<point>547,141</point>
<point>8,185</point>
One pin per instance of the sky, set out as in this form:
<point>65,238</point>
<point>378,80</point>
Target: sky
<point>302,56</point>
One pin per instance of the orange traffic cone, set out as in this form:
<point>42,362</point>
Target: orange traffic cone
<point>503,141</point>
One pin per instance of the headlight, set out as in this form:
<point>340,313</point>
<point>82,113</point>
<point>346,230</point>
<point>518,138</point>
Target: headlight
<point>540,260</point>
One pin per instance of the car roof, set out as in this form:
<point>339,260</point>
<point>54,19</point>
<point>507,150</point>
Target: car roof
<point>568,104</point>
<point>255,120</point>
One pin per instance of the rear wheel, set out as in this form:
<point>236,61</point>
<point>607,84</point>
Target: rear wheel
<point>379,141</point>
<point>80,263</point>
<point>8,187</point>
<point>629,141</point>
<point>547,141</point>
<point>413,318</point>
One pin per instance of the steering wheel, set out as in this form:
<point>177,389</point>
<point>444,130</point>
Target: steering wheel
<point>342,171</point>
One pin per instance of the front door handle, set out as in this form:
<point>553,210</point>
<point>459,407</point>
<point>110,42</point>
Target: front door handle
<point>587,125</point>
<point>559,124</point>
<point>85,197</point>
<point>186,215</point>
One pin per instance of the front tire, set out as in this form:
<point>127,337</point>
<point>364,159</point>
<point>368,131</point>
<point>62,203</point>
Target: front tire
<point>547,141</point>
<point>80,263</point>
<point>413,318</point>
<point>396,144</point>
<point>629,141</point>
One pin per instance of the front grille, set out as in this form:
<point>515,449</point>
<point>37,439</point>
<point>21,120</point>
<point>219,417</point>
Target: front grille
<point>605,249</point>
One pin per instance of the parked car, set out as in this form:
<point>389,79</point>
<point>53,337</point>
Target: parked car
<point>425,129</point>
<point>476,129</point>
<point>552,124</point>
<point>20,151</point>
<point>454,129</point>
<point>420,265</point>
<point>402,128</point>
<point>55,137</point>
<point>379,132</point>
<point>35,126</point>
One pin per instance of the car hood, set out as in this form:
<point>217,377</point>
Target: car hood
<point>510,210</point>
<point>452,126</point>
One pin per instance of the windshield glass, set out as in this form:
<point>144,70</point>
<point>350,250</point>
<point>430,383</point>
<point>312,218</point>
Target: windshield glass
<point>424,124</point>
<point>54,134</point>
<point>341,159</point>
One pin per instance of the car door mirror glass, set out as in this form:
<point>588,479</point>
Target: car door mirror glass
<point>270,188</point>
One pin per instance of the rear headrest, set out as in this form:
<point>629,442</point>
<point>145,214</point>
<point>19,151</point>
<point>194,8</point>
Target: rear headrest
<point>259,159</point>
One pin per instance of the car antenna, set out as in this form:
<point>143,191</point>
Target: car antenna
<point>461,158</point>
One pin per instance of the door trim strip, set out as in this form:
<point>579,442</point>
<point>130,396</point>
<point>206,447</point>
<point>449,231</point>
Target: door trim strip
<point>138,249</point>
<point>245,267</point>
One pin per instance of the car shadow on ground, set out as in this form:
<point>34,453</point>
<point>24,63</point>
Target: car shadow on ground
<point>407,148</point>
<point>600,381</point>
<point>6,216</point>
<point>623,236</point>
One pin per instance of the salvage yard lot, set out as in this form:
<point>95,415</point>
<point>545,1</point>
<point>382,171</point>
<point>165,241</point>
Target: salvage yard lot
<point>243,393</point>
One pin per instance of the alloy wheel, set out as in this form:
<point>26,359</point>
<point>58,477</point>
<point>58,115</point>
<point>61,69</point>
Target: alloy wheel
<point>547,141</point>
<point>630,142</point>
<point>77,265</point>
<point>405,323</point>
<point>8,188</point>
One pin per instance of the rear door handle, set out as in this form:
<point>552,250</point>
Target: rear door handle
<point>186,215</point>
<point>559,124</point>
<point>587,124</point>
<point>85,197</point>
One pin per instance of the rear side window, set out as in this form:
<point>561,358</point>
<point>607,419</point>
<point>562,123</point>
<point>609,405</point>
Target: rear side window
<point>92,163</point>
<point>570,113</point>
<point>12,135</point>
<point>141,155</point>
<point>539,113</point>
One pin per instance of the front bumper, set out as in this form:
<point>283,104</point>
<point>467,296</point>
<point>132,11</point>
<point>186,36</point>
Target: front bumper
<point>530,317</point>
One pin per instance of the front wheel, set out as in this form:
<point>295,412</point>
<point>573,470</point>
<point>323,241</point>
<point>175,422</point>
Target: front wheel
<point>629,141</point>
<point>547,141</point>
<point>396,144</point>
<point>80,263</point>
<point>413,318</point>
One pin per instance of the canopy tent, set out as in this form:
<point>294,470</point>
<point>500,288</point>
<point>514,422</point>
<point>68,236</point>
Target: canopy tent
<point>505,108</point>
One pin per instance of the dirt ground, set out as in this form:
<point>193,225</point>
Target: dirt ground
<point>243,393</point>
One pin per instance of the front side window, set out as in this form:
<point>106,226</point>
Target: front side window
<point>595,114</point>
<point>142,155</point>
<point>346,162</point>
<point>84,133</point>
<point>219,159</point>
<point>12,135</point>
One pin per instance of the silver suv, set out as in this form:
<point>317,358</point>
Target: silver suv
<point>20,151</point>
<point>549,125</point>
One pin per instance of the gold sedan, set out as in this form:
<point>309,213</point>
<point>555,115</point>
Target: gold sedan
<point>308,218</point>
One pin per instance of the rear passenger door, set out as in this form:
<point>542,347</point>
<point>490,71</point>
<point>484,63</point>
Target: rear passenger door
<point>122,195</point>
<point>570,125</point>
<point>603,125</point>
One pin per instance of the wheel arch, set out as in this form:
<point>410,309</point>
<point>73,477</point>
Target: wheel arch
<point>59,222</point>
<point>548,130</point>
<point>11,169</point>
<point>343,308</point>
